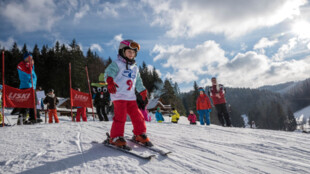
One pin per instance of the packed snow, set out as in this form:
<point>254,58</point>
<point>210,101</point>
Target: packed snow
<point>303,114</point>
<point>67,148</point>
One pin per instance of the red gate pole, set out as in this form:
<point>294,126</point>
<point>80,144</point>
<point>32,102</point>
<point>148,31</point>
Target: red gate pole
<point>71,102</point>
<point>92,107</point>
<point>3,89</point>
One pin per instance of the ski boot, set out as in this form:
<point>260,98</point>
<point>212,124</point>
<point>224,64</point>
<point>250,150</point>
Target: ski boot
<point>142,139</point>
<point>119,142</point>
<point>21,119</point>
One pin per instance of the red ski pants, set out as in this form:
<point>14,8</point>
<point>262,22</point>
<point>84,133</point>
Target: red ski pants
<point>121,109</point>
<point>79,112</point>
<point>51,113</point>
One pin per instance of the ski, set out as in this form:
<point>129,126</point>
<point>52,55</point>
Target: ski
<point>152,148</point>
<point>125,149</point>
<point>147,157</point>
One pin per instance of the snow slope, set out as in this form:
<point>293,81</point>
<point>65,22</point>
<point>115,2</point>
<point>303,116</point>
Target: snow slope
<point>303,114</point>
<point>66,148</point>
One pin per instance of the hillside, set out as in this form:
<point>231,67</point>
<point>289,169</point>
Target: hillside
<point>279,88</point>
<point>66,148</point>
<point>303,114</point>
<point>296,93</point>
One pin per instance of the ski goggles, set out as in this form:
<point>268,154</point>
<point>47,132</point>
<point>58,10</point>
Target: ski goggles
<point>131,45</point>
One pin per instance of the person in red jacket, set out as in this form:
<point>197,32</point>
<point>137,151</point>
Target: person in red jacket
<point>203,106</point>
<point>217,93</point>
<point>191,117</point>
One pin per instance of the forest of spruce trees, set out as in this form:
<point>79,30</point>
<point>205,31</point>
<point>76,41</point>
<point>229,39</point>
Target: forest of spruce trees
<point>269,110</point>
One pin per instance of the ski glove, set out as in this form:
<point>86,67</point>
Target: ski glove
<point>143,95</point>
<point>209,110</point>
<point>111,85</point>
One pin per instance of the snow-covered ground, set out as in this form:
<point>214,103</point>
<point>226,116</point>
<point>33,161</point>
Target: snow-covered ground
<point>303,119</point>
<point>303,114</point>
<point>66,148</point>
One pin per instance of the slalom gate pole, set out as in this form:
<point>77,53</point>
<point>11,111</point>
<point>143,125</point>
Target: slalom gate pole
<point>71,102</point>
<point>3,89</point>
<point>92,107</point>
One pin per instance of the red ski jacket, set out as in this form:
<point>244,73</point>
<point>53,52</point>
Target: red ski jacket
<point>217,94</point>
<point>203,102</point>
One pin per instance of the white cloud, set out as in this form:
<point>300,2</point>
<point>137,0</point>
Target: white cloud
<point>83,11</point>
<point>285,49</point>
<point>188,63</point>
<point>115,41</point>
<point>7,44</point>
<point>31,15</point>
<point>264,43</point>
<point>302,29</point>
<point>108,9</point>
<point>96,47</point>
<point>250,69</point>
<point>232,18</point>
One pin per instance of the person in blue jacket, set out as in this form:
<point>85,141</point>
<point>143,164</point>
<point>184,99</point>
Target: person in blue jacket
<point>25,70</point>
<point>159,116</point>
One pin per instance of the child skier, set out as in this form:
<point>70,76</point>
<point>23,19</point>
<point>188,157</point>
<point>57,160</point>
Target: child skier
<point>191,117</point>
<point>80,111</point>
<point>123,78</point>
<point>158,115</point>
<point>142,107</point>
<point>51,100</point>
<point>203,106</point>
<point>175,117</point>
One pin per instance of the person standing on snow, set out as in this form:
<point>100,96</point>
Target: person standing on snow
<point>175,117</point>
<point>81,111</point>
<point>142,105</point>
<point>51,101</point>
<point>191,117</point>
<point>123,78</point>
<point>203,106</point>
<point>217,93</point>
<point>25,70</point>
<point>159,116</point>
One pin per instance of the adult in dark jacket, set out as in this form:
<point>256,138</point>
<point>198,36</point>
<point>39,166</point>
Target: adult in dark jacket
<point>217,93</point>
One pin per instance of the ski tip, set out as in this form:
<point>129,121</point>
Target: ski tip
<point>150,157</point>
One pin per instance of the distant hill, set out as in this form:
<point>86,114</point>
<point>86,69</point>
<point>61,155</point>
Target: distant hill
<point>296,93</point>
<point>303,114</point>
<point>279,88</point>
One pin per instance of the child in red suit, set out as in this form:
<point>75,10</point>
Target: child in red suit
<point>81,111</point>
<point>123,78</point>
<point>191,117</point>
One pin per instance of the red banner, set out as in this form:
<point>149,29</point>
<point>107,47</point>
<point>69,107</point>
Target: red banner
<point>81,99</point>
<point>18,98</point>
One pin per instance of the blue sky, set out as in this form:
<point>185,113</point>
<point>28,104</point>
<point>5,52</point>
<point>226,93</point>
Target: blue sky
<point>244,43</point>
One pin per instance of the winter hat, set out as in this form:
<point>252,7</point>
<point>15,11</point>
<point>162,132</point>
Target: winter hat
<point>201,89</point>
<point>50,90</point>
<point>26,55</point>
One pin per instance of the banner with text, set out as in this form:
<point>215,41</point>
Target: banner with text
<point>18,98</point>
<point>81,99</point>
